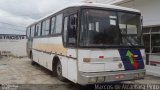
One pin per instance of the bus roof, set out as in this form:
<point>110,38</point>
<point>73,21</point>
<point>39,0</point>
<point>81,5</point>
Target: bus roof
<point>104,6</point>
<point>91,5</point>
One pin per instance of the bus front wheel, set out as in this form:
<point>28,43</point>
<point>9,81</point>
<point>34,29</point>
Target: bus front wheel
<point>59,72</point>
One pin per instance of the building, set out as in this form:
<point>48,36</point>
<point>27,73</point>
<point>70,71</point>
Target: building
<point>13,44</point>
<point>12,37</point>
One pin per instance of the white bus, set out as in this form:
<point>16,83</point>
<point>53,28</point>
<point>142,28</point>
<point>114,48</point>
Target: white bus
<point>89,43</point>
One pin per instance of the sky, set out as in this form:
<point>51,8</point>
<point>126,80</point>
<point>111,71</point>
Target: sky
<point>15,15</point>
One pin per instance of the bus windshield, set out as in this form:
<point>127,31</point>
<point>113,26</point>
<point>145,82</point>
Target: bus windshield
<point>110,28</point>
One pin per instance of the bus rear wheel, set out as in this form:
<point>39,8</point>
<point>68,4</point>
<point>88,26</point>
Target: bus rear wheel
<point>32,61</point>
<point>59,71</point>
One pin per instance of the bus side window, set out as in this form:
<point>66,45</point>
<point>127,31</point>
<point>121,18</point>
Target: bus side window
<point>65,30</point>
<point>32,31</point>
<point>28,32</point>
<point>38,29</point>
<point>72,31</point>
<point>53,25</point>
<point>58,28</point>
<point>45,27</point>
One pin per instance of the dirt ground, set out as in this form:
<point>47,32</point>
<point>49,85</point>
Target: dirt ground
<point>20,71</point>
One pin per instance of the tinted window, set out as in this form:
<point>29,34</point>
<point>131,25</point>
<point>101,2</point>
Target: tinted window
<point>32,31</point>
<point>28,32</point>
<point>45,27</point>
<point>72,31</point>
<point>58,23</point>
<point>110,28</point>
<point>53,25</point>
<point>65,30</point>
<point>38,29</point>
<point>99,28</point>
<point>129,25</point>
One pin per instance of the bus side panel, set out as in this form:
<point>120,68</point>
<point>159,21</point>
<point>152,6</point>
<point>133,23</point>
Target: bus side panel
<point>69,68</point>
<point>50,45</point>
<point>45,49</point>
<point>36,56</point>
<point>43,59</point>
<point>64,62</point>
<point>72,65</point>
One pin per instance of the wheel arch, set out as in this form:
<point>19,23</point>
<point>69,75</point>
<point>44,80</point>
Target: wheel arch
<point>54,62</point>
<point>30,54</point>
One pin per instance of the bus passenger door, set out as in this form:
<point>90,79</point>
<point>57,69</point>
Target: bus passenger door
<point>70,42</point>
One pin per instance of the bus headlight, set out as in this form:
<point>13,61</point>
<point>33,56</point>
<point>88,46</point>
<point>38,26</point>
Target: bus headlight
<point>87,60</point>
<point>101,79</point>
<point>92,79</point>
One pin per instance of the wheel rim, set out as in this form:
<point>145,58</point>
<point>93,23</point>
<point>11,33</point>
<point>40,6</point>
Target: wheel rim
<point>59,69</point>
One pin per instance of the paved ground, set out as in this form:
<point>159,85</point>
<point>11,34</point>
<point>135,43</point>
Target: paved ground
<point>20,71</point>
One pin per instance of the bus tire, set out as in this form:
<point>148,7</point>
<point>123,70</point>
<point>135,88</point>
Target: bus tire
<point>32,62</point>
<point>59,71</point>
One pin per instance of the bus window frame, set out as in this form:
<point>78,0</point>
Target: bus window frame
<point>45,20</point>
<point>56,18</point>
<point>36,31</point>
<point>106,9</point>
<point>79,10</point>
<point>65,12</point>
<point>78,20</point>
<point>48,24</point>
<point>40,30</point>
<point>76,29</point>
<point>65,43</point>
<point>33,26</point>
<point>51,23</point>
<point>28,29</point>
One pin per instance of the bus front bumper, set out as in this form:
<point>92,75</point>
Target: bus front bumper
<point>104,77</point>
